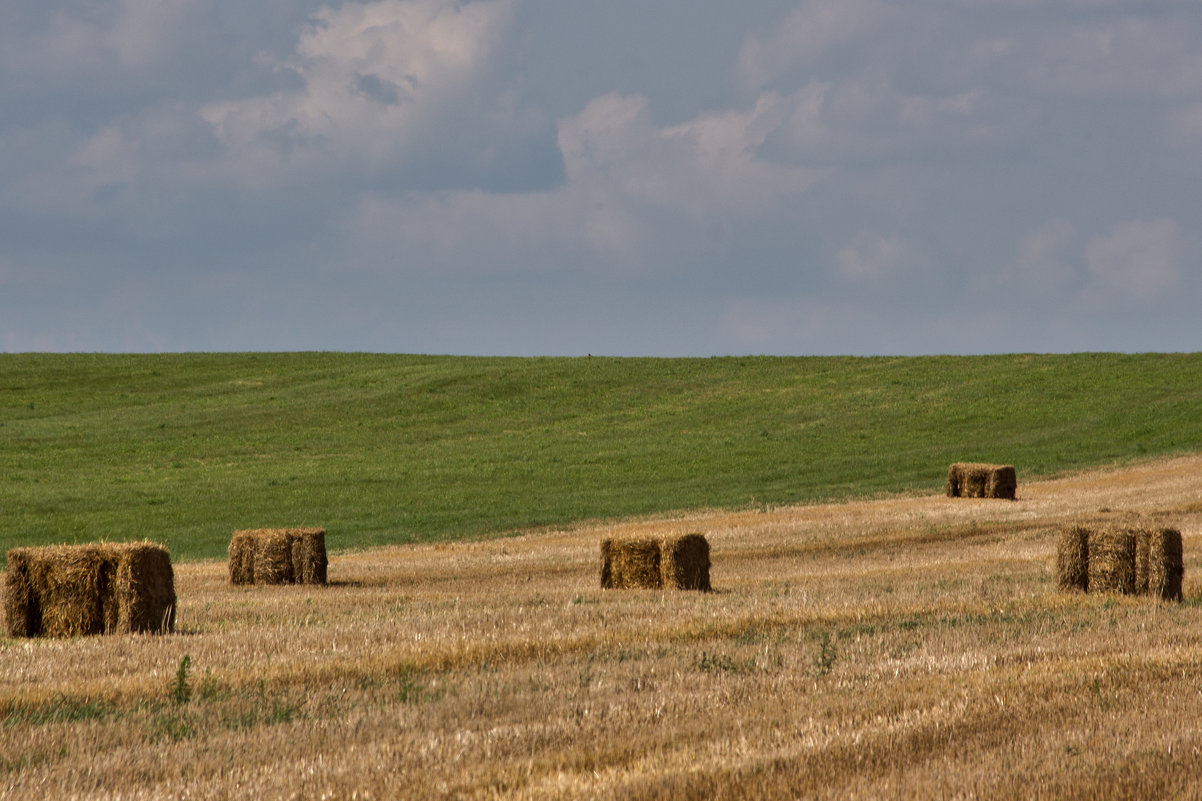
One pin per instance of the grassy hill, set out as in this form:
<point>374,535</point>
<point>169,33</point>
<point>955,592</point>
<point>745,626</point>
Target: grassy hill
<point>387,448</point>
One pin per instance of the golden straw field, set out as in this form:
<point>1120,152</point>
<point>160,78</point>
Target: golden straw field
<point>909,647</point>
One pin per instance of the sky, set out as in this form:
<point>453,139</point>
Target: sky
<point>545,177</point>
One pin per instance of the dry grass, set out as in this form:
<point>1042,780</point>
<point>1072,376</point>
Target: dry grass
<point>904,648</point>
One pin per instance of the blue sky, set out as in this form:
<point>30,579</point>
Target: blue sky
<point>545,177</point>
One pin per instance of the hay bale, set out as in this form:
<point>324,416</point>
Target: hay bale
<point>1112,560</point>
<point>1072,558</point>
<point>631,564</point>
<point>676,563</point>
<point>71,590</point>
<point>242,557</point>
<point>22,603</point>
<point>278,556</point>
<point>685,562</point>
<point>1143,541</point>
<point>273,558</point>
<point>309,560</point>
<point>1166,566</point>
<point>977,480</point>
<point>73,581</point>
<point>144,589</point>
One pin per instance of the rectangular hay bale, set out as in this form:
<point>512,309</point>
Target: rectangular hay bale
<point>674,563</point>
<point>1143,541</point>
<point>978,480</point>
<point>1112,560</point>
<point>1072,558</point>
<point>686,562</point>
<point>72,590</point>
<point>144,588</point>
<point>273,558</point>
<point>631,564</point>
<point>242,558</point>
<point>1166,564</point>
<point>1129,560</point>
<point>309,560</point>
<point>278,556</point>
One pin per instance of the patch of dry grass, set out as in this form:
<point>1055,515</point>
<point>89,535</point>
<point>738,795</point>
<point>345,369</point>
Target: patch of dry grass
<point>904,648</point>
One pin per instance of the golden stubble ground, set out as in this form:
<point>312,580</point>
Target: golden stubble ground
<point>897,648</point>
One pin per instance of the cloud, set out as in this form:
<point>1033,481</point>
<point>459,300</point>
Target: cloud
<point>708,165</point>
<point>123,47</point>
<point>869,118</point>
<point>1137,260</point>
<point>636,195</point>
<point>833,175</point>
<point>805,35</point>
<point>376,78</point>
<point>1120,55</point>
<point>874,259</point>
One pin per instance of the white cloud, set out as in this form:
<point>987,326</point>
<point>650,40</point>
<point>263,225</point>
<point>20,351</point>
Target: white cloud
<point>706,166</point>
<point>858,117</point>
<point>1125,56</point>
<point>872,258</point>
<point>1136,260</point>
<point>376,77</point>
<point>144,31</point>
<point>636,195</point>
<point>805,35</point>
<point>136,39</point>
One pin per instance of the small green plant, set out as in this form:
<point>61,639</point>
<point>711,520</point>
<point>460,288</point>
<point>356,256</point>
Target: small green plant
<point>824,662</point>
<point>181,693</point>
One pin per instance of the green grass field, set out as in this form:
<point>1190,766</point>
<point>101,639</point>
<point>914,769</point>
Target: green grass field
<point>184,449</point>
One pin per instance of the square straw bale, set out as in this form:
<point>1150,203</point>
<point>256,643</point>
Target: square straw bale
<point>278,556</point>
<point>1166,566</point>
<point>686,562</point>
<point>977,480</point>
<point>1112,560</point>
<point>143,589</point>
<point>1002,482</point>
<point>1143,541</point>
<point>75,581</point>
<point>71,590</point>
<point>631,564</point>
<point>273,558</point>
<point>1072,558</point>
<point>309,560</point>
<point>242,557</point>
<point>22,604</point>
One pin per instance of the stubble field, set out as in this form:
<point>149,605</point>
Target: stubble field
<point>910,647</point>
